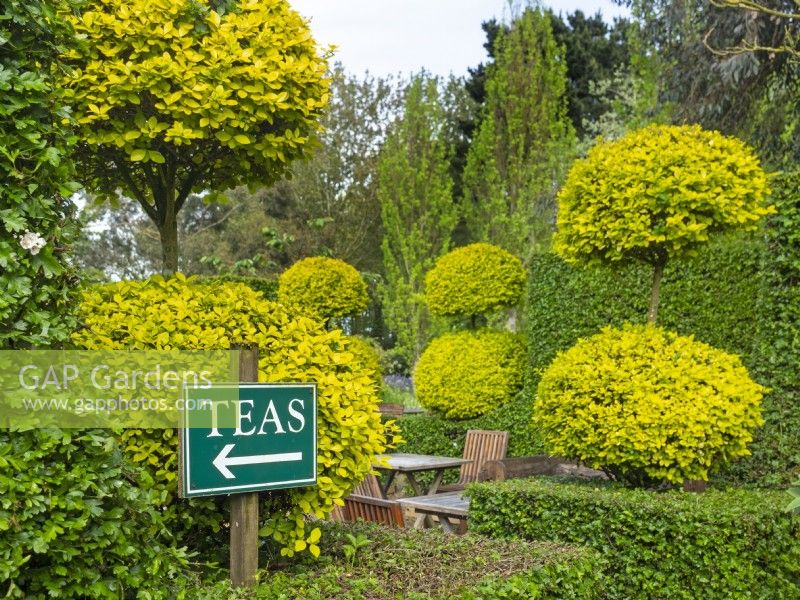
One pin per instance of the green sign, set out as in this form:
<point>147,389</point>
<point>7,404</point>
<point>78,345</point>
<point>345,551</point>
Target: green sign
<point>248,437</point>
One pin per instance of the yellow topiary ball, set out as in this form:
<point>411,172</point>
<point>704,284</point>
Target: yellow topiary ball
<point>647,405</point>
<point>657,192</point>
<point>323,288</point>
<point>176,313</point>
<point>466,374</point>
<point>473,280</point>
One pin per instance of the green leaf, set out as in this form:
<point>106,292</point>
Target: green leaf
<point>138,155</point>
<point>156,156</point>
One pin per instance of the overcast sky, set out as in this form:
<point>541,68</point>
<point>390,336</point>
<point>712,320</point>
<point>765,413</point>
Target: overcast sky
<point>391,36</point>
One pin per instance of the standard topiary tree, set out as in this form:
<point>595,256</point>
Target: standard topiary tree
<point>323,288</point>
<point>466,374</point>
<point>178,314</point>
<point>647,405</point>
<point>174,97</point>
<point>655,194</point>
<point>474,280</point>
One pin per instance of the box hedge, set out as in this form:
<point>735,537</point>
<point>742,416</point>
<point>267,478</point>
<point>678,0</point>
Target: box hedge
<point>719,544</point>
<point>740,294</point>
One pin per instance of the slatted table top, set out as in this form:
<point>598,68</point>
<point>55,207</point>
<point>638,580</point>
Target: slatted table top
<point>454,504</point>
<point>406,463</point>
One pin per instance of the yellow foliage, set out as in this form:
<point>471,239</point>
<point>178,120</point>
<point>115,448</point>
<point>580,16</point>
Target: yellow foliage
<point>322,288</point>
<point>640,399</point>
<point>466,374</point>
<point>473,280</point>
<point>236,94</point>
<point>177,314</point>
<point>657,192</point>
<point>367,353</point>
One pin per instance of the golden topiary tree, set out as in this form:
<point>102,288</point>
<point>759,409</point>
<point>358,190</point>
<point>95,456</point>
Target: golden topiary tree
<point>173,97</point>
<point>655,194</point>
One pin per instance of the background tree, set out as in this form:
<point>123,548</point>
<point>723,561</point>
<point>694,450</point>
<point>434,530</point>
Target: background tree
<point>37,223</point>
<point>655,194</point>
<point>326,205</point>
<point>751,95</point>
<point>180,97</point>
<point>519,152</point>
<point>594,51</point>
<point>417,210</point>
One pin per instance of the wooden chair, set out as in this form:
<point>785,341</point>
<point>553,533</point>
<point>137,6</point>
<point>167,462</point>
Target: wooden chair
<point>367,503</point>
<point>374,510</point>
<point>480,447</point>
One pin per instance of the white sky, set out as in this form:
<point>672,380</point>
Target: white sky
<point>391,36</point>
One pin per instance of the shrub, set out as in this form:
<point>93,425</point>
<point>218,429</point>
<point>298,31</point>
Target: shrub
<point>655,194</point>
<point>646,404</point>
<point>718,544</point>
<point>267,286</point>
<point>429,564</point>
<point>37,223</point>
<point>738,294</point>
<point>367,353</point>
<point>322,288</point>
<point>466,374</point>
<point>175,313</point>
<point>472,280</point>
<point>73,526</point>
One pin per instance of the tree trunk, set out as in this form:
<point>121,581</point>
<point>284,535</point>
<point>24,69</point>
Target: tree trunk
<point>168,230</point>
<point>655,295</point>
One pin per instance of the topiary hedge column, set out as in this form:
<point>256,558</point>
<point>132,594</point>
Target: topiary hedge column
<point>467,374</point>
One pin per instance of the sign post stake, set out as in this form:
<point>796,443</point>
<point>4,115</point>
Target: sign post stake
<point>244,507</point>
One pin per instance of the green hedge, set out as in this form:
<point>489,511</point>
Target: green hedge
<point>77,522</point>
<point>426,564</point>
<point>718,544</point>
<point>739,294</point>
<point>432,434</point>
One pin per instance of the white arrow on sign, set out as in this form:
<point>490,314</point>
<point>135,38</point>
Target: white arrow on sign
<point>223,461</point>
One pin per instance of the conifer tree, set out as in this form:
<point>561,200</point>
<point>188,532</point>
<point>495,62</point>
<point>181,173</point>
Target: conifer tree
<point>525,141</point>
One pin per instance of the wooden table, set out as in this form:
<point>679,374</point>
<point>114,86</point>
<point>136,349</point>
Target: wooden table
<point>451,505</point>
<point>409,465</point>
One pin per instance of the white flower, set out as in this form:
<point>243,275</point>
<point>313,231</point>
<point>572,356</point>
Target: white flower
<point>32,241</point>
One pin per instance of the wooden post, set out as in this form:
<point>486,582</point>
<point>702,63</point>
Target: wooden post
<point>244,507</point>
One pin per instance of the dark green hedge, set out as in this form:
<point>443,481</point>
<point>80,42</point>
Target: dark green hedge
<point>426,564</point>
<point>739,294</point>
<point>77,522</point>
<point>719,544</point>
<point>432,434</point>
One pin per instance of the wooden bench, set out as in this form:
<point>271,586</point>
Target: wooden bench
<point>447,506</point>
<point>530,466</point>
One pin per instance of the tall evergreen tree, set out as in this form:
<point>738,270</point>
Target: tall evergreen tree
<point>415,190</point>
<point>524,142</point>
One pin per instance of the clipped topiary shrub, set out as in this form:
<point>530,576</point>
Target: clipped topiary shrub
<point>72,526</point>
<point>647,405</point>
<point>717,545</point>
<point>655,194</point>
<point>177,314</point>
<point>322,288</point>
<point>466,374</point>
<point>367,353</point>
<point>472,280</point>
